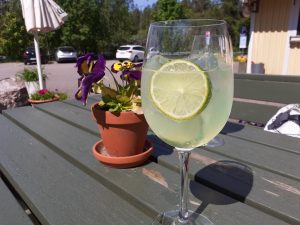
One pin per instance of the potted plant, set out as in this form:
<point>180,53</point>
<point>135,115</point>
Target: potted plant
<point>240,62</point>
<point>120,119</point>
<point>31,80</point>
<point>43,96</point>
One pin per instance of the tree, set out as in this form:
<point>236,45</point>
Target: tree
<point>142,21</point>
<point>198,8</point>
<point>82,26</point>
<point>221,9</point>
<point>169,10</point>
<point>103,25</point>
<point>13,35</point>
<point>120,22</point>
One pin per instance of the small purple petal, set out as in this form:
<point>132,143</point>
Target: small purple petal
<point>96,75</point>
<point>80,60</point>
<point>99,66</point>
<point>87,83</point>
<point>138,65</point>
<point>136,74</point>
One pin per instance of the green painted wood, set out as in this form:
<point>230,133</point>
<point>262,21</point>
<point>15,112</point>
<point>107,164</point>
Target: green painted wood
<point>11,213</point>
<point>252,112</point>
<point>266,151</point>
<point>279,162</point>
<point>274,160</point>
<point>272,193</point>
<point>258,135</point>
<point>269,77</point>
<point>281,89</point>
<point>54,189</point>
<point>150,188</point>
<point>166,157</point>
<point>80,117</point>
<point>90,100</point>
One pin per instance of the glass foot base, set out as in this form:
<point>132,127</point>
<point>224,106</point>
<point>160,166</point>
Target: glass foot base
<point>171,218</point>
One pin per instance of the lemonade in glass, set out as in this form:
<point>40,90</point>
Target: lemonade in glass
<point>187,92</point>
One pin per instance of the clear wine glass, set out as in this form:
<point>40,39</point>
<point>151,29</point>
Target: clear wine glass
<point>187,93</point>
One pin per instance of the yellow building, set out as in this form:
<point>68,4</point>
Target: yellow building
<point>274,36</point>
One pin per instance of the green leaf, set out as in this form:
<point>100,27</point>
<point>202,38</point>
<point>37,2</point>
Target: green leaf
<point>106,98</point>
<point>122,99</point>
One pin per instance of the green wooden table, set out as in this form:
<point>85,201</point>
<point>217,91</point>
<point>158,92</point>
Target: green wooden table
<point>49,175</point>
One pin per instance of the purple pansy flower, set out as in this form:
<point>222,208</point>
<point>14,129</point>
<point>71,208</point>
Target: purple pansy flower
<point>84,59</point>
<point>92,72</point>
<point>91,77</point>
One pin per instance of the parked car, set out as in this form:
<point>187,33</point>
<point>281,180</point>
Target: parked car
<point>65,54</point>
<point>29,56</point>
<point>2,58</point>
<point>152,52</point>
<point>134,53</point>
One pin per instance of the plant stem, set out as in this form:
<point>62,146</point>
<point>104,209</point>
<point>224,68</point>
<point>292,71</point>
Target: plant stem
<point>116,82</point>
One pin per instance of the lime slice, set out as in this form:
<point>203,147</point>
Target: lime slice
<point>180,89</point>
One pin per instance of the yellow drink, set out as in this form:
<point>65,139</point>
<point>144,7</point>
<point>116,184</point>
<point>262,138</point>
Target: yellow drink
<point>201,127</point>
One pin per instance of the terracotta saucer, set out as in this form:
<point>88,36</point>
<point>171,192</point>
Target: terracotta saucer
<point>100,154</point>
<point>56,98</point>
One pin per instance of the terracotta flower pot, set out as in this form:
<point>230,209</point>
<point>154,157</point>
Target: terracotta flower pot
<point>123,134</point>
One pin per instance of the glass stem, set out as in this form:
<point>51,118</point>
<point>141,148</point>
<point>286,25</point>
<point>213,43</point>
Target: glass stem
<point>184,182</point>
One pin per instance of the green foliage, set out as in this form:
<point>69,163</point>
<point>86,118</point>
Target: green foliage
<point>169,10</point>
<point>103,25</point>
<point>126,94</point>
<point>13,35</point>
<point>82,25</point>
<point>222,9</point>
<point>123,99</point>
<point>118,103</point>
<point>45,95</point>
<point>30,75</point>
<point>39,95</point>
<point>62,96</point>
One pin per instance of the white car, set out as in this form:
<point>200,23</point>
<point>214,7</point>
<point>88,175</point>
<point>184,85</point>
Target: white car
<point>134,53</point>
<point>65,53</point>
<point>152,52</point>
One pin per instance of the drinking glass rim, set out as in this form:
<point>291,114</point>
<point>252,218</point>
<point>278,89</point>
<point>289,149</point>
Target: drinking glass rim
<point>166,23</point>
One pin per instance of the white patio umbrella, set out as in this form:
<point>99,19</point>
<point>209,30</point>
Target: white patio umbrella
<point>41,16</point>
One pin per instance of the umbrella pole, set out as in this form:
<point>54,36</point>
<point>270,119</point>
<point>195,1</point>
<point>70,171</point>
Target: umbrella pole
<point>38,60</point>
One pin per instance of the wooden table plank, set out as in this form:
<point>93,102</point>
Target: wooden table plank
<point>252,112</point>
<point>266,185</point>
<point>74,152</point>
<point>282,152</point>
<point>56,191</point>
<point>265,157</point>
<point>272,193</point>
<point>11,213</point>
<point>90,100</point>
<point>258,135</point>
<point>80,117</point>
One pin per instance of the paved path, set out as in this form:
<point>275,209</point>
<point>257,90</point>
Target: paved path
<point>61,76</point>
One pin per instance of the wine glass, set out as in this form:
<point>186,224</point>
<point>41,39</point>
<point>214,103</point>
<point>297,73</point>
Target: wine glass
<point>187,93</point>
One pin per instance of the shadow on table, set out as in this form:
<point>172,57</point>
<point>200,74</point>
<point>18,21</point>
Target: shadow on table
<point>232,179</point>
<point>232,128</point>
<point>160,147</point>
